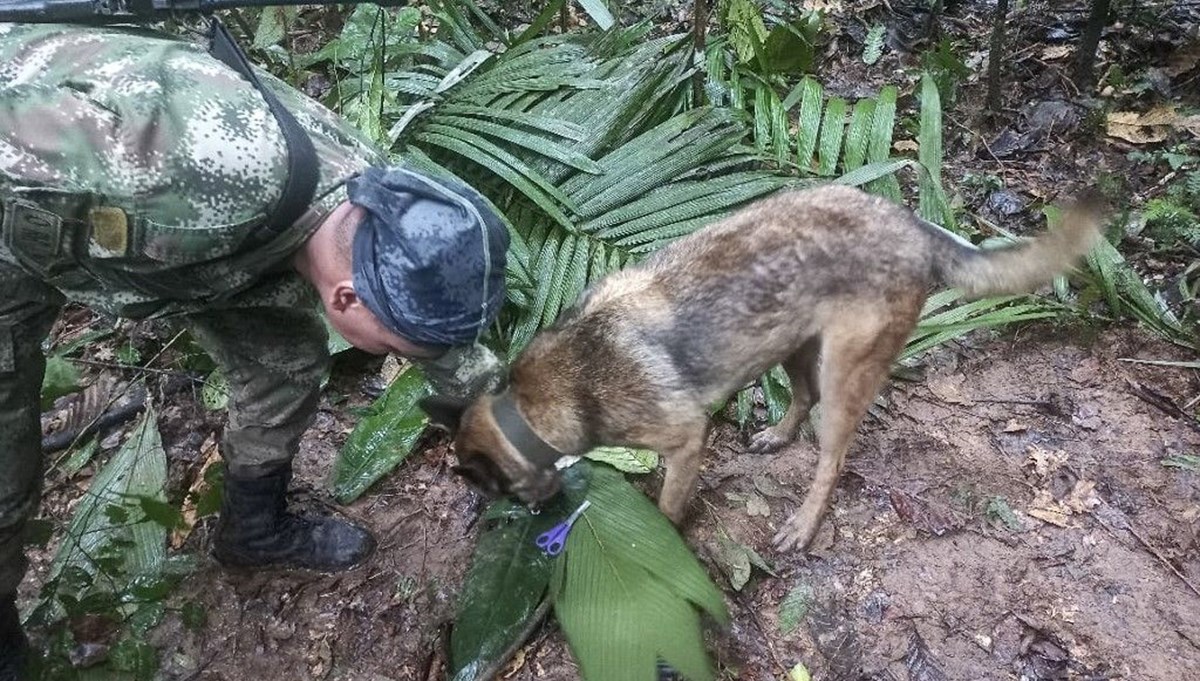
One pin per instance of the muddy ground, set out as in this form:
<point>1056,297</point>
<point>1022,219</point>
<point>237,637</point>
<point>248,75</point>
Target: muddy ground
<point>1091,575</point>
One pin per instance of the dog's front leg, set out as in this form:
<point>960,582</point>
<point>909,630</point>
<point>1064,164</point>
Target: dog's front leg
<point>682,459</point>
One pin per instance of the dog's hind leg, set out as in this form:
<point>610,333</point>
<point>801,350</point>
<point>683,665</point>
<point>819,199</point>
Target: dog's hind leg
<point>801,367</point>
<point>857,357</point>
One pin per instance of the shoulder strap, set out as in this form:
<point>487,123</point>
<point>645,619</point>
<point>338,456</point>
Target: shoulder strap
<point>302,167</point>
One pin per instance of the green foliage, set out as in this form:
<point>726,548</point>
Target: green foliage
<point>1187,462</point>
<point>627,588</point>
<point>1170,223</point>
<point>873,49</point>
<point>625,459</point>
<point>214,394</point>
<point>61,378</point>
<point>383,438</point>
<point>112,561</point>
<point>507,580</point>
<point>794,607</point>
<point>946,68</point>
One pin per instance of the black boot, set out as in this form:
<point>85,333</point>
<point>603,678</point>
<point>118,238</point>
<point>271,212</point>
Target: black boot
<point>255,530</point>
<point>14,647</point>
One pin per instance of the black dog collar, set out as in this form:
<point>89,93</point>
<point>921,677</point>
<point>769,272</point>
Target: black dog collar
<point>514,427</point>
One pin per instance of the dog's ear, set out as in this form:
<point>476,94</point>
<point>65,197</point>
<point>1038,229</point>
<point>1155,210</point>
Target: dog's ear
<point>444,412</point>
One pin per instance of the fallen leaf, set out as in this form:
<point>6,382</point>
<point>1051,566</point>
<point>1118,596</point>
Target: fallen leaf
<point>768,487</point>
<point>918,513</point>
<point>212,455</point>
<point>1053,52</point>
<point>794,607</point>
<point>1014,426</point>
<point>1045,461</point>
<point>919,661</point>
<point>799,673</point>
<point>1152,126</point>
<point>1183,60</point>
<point>907,145</point>
<point>757,506</point>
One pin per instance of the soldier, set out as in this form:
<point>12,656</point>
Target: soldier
<point>138,175</point>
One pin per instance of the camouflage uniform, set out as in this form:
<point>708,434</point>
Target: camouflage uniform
<point>132,168</point>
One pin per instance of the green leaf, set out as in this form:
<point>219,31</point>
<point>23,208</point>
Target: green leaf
<point>80,457</point>
<point>809,122</point>
<point>931,202</point>
<point>160,512</point>
<point>507,581</point>
<point>833,127</point>
<point>383,438</point>
<point>194,615</point>
<point>61,378</point>
<point>214,395</point>
<point>873,49</point>
<point>626,459</point>
<point>998,508</point>
<point>1187,462</point>
<point>271,27</point>
<point>858,134</point>
<point>138,469</point>
<point>794,608</point>
<point>598,11</point>
<point>134,657</point>
<point>799,673</point>
<point>627,587</point>
<point>880,146</point>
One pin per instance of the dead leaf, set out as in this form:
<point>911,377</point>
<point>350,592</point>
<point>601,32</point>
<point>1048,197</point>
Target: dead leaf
<point>768,487</point>
<point>1080,500</point>
<point>918,513</point>
<point>1046,462</point>
<point>949,389</point>
<point>1183,60</point>
<point>907,145</point>
<point>1053,52</point>
<point>757,506</point>
<point>1015,426</point>
<point>212,454</point>
<point>919,661</point>
<point>837,639</point>
<point>1152,126</point>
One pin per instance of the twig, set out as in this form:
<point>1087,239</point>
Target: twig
<point>534,621</point>
<point>1162,403</point>
<point>127,367</point>
<point>1150,548</point>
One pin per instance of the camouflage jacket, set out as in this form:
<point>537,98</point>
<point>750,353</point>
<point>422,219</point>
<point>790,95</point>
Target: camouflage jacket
<point>133,165</point>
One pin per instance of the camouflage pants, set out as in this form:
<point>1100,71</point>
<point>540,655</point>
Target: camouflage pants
<point>274,359</point>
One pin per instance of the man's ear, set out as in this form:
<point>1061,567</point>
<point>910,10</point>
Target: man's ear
<point>444,412</point>
<point>343,296</point>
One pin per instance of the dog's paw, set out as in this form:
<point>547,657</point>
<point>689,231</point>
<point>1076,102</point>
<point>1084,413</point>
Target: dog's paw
<point>796,534</point>
<point>767,441</point>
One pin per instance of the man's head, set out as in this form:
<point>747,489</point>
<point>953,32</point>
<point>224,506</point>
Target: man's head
<point>417,264</point>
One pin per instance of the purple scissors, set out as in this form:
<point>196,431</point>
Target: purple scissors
<point>553,540</point>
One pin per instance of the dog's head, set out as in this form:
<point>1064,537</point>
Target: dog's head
<point>487,457</point>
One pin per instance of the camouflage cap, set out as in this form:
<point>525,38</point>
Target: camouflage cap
<point>428,257</point>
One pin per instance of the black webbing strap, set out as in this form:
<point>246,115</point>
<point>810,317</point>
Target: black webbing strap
<point>301,181</point>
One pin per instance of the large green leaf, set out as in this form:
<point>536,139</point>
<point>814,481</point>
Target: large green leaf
<point>627,589</point>
<point>599,13</point>
<point>109,542</point>
<point>383,438</point>
<point>507,580</point>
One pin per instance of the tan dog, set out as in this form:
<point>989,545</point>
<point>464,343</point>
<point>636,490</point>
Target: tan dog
<point>831,272</point>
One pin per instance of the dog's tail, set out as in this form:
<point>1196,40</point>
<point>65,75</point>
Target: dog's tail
<point>1021,267</point>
